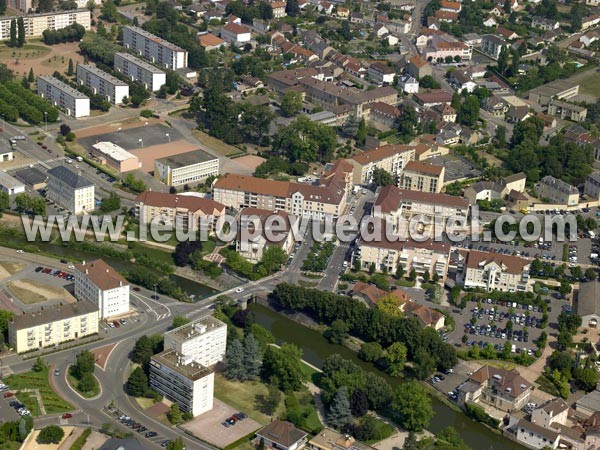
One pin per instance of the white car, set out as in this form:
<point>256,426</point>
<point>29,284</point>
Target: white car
<point>20,252</point>
<point>239,290</point>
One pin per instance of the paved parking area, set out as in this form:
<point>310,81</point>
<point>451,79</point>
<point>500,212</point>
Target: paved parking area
<point>456,167</point>
<point>209,428</point>
<point>155,134</point>
<point>7,413</point>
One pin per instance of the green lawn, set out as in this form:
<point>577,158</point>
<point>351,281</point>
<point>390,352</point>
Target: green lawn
<point>311,422</point>
<point>242,396</point>
<point>589,85</point>
<point>37,380</point>
<point>87,394</point>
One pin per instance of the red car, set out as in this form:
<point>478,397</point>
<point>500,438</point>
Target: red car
<point>8,394</point>
<point>67,415</point>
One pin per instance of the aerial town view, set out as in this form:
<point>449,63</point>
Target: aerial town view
<point>299,224</point>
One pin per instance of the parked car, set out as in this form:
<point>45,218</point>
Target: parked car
<point>67,415</point>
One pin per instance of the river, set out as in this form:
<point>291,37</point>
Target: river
<point>316,348</point>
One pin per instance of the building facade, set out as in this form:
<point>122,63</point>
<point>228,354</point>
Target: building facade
<point>10,185</point>
<point>557,191</point>
<point>155,49</point>
<point>391,158</point>
<point>63,96</point>
<point>36,24</point>
<point>114,156</point>
<point>70,190</point>
<point>188,168</point>
<point>52,325</point>
<point>100,284</point>
<point>254,247</point>
<point>102,83</point>
<point>203,340</point>
<point>182,381</point>
<point>495,272</point>
<point>420,176</point>
<point>151,77</point>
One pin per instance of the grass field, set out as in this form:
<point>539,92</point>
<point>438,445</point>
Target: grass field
<point>28,51</point>
<point>243,396</point>
<point>216,145</point>
<point>37,380</point>
<point>30,292</point>
<point>590,85</point>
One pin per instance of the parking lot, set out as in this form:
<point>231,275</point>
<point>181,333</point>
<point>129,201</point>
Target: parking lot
<point>135,138</point>
<point>7,412</point>
<point>139,428</point>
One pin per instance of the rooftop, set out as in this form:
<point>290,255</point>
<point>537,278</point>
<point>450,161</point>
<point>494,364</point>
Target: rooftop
<point>508,381</point>
<point>283,433</point>
<point>391,198</point>
<point>154,38</point>
<point>101,74</point>
<point>114,151</point>
<point>192,371</point>
<point>195,328</point>
<point>49,314</point>
<point>589,298</point>
<point>187,202</point>
<point>559,185</point>
<point>423,167</point>
<point>380,153</point>
<point>102,275</point>
<point>329,439</point>
<point>73,179</point>
<point>187,159</point>
<point>476,259</point>
<point>552,435</point>
<point>63,87</point>
<point>9,182</point>
<point>138,62</point>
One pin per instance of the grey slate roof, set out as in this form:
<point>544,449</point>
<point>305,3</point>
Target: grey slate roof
<point>589,298</point>
<point>73,179</point>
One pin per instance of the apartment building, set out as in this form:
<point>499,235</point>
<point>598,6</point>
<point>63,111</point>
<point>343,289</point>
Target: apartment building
<point>566,110</point>
<point>553,411</point>
<point>154,49</point>
<point>592,186</point>
<point>52,325</point>
<point>181,211</point>
<point>111,155</point>
<point>233,33</point>
<point>204,340</point>
<point>20,5</point>
<point>302,200</point>
<point>183,381</point>
<point>150,76</point>
<point>273,233</point>
<point>557,191</point>
<point>36,24</point>
<point>534,436</point>
<point>381,73</point>
<point>421,176</point>
<point>439,48</point>
<point>503,389</point>
<point>102,83</point>
<point>100,284</point>
<point>70,190</point>
<point>492,45</point>
<point>494,272</point>
<point>63,96</point>
<point>189,168</point>
<point>388,252</point>
<point>398,207</point>
<point>391,158</point>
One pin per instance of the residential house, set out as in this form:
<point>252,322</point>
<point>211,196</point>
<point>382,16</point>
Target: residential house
<point>557,191</point>
<point>516,114</point>
<point>446,16</point>
<point>537,437</point>
<point>235,34</point>
<point>342,12</point>
<point>418,67</point>
<point>408,84</point>
<point>328,439</point>
<point>507,34</point>
<point>383,116</point>
<point>282,435</point>
<point>592,186</point>
<point>545,24</point>
<point>490,22</point>
<point>492,45</point>
<point>495,272</point>
<point>554,411</point>
<point>381,73</point>
<point>210,42</point>
<point>461,80</point>
<point>433,97</point>
<point>446,113</point>
<point>420,176</point>
<point>454,7</point>
<point>496,106</point>
<point>380,30</point>
<point>371,294</point>
<point>278,9</point>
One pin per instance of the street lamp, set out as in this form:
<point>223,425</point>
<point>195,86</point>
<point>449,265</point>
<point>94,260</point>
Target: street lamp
<point>168,136</point>
<point>46,120</point>
<point>155,290</point>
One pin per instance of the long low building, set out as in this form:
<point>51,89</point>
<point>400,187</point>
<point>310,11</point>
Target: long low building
<point>36,24</point>
<point>52,325</point>
<point>188,168</point>
<point>150,76</point>
<point>102,83</point>
<point>112,155</point>
<point>63,96</point>
<point>301,200</point>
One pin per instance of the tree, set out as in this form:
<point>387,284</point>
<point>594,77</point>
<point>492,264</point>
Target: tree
<point>468,114</point>
<point>84,363</point>
<point>590,274</point>
<point>13,34</point>
<point>87,382</point>
<point>361,134</point>
<point>292,8</point>
<point>381,177</point>
<point>21,32</point>
<point>370,351</point>
<point>272,260</point>
<point>413,404</point>
<point>399,271</point>
<point>395,358</point>
<point>109,11</point>
<point>39,365</point>
<point>586,378</point>
<point>359,403</point>
<point>142,351</point>
<point>503,60</point>
<point>268,404</point>
<point>174,414</point>
<point>338,332</point>
<point>252,359</point>
<point>70,68</point>
<point>177,444</point>
<point>291,103</point>
<point>234,358</point>
<point>305,140</point>
<point>428,82</point>
<point>30,76</point>
<point>285,365</point>
<point>424,364</point>
<point>2,7</point>
<point>51,434</point>
<point>339,411</point>
<point>179,321</point>
<point>137,383</point>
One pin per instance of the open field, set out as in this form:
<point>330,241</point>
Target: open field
<point>27,52</point>
<point>43,59</point>
<point>216,145</point>
<point>37,380</point>
<point>30,292</point>
<point>8,269</point>
<point>589,85</point>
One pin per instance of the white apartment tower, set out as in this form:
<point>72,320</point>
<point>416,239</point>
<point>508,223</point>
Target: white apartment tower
<point>63,96</point>
<point>136,69</point>
<point>70,190</point>
<point>155,49</point>
<point>102,285</point>
<point>102,83</point>
<point>204,340</point>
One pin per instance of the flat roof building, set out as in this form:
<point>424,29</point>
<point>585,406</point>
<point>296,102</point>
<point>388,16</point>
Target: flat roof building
<point>188,168</point>
<point>10,185</point>
<point>36,24</point>
<point>102,83</point>
<point>112,155</point>
<point>63,96</point>
<point>150,76</point>
<point>155,49</point>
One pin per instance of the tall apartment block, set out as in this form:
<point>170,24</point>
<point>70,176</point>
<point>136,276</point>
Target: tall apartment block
<point>63,96</point>
<point>102,83</point>
<point>204,340</point>
<point>155,49</point>
<point>36,24</point>
<point>136,69</point>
